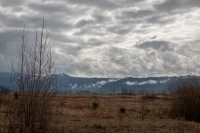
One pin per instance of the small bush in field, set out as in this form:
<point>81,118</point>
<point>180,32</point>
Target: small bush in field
<point>16,95</point>
<point>95,105</point>
<point>122,110</point>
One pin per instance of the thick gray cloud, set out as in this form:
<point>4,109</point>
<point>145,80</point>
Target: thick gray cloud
<point>108,38</point>
<point>136,14</point>
<point>160,20</point>
<point>9,41</point>
<point>100,18</point>
<point>102,4</point>
<point>171,5</point>
<point>119,30</point>
<point>82,23</point>
<point>71,50</point>
<point>12,3</point>
<point>49,7</point>
<point>157,45</point>
<point>95,42</point>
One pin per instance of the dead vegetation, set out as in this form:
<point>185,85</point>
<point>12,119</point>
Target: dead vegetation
<point>28,108</point>
<point>185,102</point>
<point>120,113</point>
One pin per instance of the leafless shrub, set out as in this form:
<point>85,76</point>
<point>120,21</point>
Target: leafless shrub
<point>35,85</point>
<point>185,99</point>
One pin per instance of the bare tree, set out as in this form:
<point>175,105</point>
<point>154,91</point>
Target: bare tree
<point>35,84</point>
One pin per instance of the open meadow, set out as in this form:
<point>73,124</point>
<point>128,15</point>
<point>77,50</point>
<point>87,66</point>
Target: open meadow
<point>117,114</point>
<point>113,113</point>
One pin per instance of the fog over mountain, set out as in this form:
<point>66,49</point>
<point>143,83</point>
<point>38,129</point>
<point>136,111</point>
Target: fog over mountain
<point>67,83</point>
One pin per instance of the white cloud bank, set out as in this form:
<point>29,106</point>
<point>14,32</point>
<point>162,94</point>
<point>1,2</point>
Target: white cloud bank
<point>140,83</point>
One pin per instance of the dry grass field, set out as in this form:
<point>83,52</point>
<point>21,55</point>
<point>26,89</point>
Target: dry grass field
<point>117,114</point>
<point>75,113</point>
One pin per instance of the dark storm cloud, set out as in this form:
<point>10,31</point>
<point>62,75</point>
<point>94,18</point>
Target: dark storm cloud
<point>157,45</point>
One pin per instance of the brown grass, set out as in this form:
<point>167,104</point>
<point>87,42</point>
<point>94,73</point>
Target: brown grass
<point>73,113</point>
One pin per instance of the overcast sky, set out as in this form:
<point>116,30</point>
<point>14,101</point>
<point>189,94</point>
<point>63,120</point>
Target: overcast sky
<point>108,38</point>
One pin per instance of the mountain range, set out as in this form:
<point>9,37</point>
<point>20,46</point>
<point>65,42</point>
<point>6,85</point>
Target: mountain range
<point>68,83</point>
